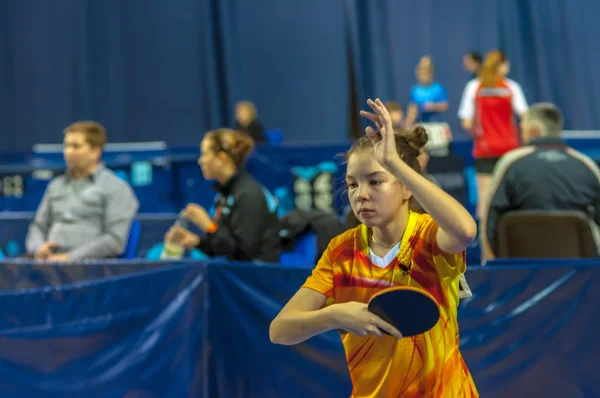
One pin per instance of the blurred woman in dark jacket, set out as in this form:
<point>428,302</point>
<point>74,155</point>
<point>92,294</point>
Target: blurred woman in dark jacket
<point>247,121</point>
<point>245,226</point>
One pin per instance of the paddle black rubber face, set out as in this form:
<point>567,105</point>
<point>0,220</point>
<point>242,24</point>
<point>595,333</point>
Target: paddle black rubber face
<point>411,312</point>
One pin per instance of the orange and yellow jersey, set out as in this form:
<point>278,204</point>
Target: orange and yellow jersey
<point>426,365</point>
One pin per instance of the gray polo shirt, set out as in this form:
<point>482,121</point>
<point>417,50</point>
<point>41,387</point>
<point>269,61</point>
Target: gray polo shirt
<point>87,218</point>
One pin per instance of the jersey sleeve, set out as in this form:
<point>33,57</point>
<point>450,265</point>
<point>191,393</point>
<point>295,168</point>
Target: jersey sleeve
<point>447,265</point>
<point>466,110</point>
<point>321,279</point>
<point>519,103</point>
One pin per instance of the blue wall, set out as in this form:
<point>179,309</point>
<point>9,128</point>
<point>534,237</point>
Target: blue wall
<point>156,70</point>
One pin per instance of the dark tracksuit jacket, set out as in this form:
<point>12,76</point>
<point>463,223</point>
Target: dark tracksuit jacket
<point>545,175</point>
<point>248,226</point>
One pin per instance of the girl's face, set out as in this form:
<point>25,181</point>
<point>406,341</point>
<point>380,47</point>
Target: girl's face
<point>376,196</point>
<point>210,162</point>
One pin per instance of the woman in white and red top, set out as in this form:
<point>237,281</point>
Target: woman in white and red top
<point>488,108</point>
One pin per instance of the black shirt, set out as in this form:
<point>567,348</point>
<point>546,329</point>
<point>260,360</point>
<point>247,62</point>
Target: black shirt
<point>545,175</point>
<point>248,226</point>
<point>255,130</point>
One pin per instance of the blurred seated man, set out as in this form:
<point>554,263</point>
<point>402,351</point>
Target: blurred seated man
<point>544,175</point>
<point>87,212</point>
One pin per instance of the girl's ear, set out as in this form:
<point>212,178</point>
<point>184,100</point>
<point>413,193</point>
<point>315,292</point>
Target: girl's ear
<point>406,195</point>
<point>222,156</point>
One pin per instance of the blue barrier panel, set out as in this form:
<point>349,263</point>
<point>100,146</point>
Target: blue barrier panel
<point>524,326</point>
<point>119,329</point>
<point>137,334</point>
<point>243,362</point>
<point>521,325</point>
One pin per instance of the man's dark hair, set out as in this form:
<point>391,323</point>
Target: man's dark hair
<point>476,56</point>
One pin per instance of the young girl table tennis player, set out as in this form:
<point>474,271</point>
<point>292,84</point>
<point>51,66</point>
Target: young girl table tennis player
<point>393,246</point>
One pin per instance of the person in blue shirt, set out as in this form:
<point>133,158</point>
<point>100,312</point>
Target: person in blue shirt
<point>428,98</point>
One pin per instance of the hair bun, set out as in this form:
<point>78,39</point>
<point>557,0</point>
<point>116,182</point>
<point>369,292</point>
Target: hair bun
<point>417,137</point>
<point>243,145</point>
<point>237,144</point>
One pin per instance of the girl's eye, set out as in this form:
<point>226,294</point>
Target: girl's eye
<point>375,182</point>
<point>352,185</point>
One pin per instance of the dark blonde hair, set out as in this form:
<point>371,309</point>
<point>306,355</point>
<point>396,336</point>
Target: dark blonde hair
<point>95,134</point>
<point>408,144</point>
<point>236,144</point>
<point>490,71</point>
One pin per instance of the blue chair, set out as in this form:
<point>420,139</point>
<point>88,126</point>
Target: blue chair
<point>304,254</point>
<point>274,137</point>
<point>133,240</point>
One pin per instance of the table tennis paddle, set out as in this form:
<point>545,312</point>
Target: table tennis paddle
<point>409,309</point>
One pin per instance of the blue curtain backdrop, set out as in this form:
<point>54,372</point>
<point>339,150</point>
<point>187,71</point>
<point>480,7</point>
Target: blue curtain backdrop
<point>554,48</point>
<point>389,37</point>
<point>156,70</point>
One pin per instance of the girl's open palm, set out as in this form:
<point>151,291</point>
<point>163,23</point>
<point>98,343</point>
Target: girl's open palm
<point>383,136</point>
